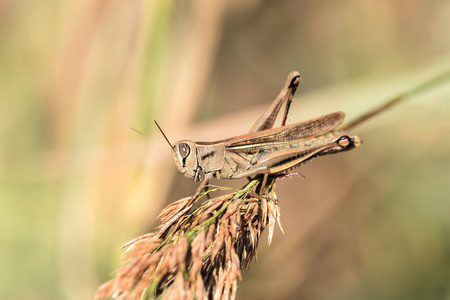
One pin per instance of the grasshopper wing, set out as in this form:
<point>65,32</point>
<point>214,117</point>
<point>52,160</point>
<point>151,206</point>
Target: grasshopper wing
<point>285,134</point>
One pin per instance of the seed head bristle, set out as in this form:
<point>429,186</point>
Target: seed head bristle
<point>197,251</point>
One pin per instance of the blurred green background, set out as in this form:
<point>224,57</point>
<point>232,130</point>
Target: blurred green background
<point>76,183</point>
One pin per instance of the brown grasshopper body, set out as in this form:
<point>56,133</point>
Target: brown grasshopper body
<point>265,150</point>
<point>270,151</point>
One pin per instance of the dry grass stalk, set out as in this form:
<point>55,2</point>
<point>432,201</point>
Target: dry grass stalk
<point>201,253</point>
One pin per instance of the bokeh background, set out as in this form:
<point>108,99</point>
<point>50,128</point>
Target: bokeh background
<point>76,183</point>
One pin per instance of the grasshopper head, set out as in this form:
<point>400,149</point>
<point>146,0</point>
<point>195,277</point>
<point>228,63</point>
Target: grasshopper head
<point>185,156</point>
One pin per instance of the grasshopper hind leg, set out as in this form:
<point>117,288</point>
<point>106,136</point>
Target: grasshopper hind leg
<point>267,119</point>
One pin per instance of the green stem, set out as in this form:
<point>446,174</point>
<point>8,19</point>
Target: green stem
<point>414,92</point>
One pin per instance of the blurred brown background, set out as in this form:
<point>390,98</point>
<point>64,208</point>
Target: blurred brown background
<point>76,183</point>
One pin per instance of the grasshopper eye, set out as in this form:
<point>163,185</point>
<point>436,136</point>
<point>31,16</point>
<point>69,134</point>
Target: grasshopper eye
<point>184,150</point>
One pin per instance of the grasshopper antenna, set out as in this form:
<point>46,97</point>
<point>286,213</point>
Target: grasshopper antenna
<point>163,134</point>
<point>148,136</point>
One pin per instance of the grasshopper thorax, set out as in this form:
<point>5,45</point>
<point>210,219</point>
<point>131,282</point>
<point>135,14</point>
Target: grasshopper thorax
<point>184,154</point>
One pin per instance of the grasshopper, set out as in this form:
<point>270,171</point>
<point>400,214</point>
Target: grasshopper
<point>264,150</point>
